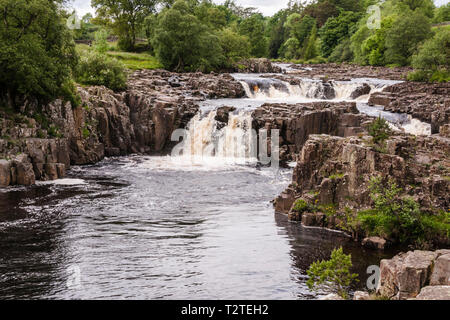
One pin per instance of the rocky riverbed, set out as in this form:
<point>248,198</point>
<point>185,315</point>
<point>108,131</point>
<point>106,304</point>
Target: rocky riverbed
<point>324,139</point>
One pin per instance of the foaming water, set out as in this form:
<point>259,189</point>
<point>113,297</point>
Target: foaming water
<point>144,228</point>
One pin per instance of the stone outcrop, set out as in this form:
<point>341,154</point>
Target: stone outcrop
<point>434,293</point>
<point>43,142</point>
<point>428,102</point>
<point>343,72</point>
<point>297,122</point>
<point>404,276</point>
<point>374,243</point>
<point>336,171</point>
<point>260,65</point>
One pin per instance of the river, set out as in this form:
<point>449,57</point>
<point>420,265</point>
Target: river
<point>142,227</point>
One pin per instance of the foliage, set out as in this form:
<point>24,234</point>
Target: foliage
<point>136,61</point>
<point>99,69</point>
<point>379,130</point>
<point>254,29</point>
<point>333,274</point>
<point>301,206</point>
<point>124,17</point>
<point>37,52</point>
<point>433,59</point>
<point>337,29</point>
<point>404,37</point>
<point>393,216</point>
<point>442,14</point>
<point>342,52</point>
<point>234,46</point>
<point>183,43</point>
<point>101,41</point>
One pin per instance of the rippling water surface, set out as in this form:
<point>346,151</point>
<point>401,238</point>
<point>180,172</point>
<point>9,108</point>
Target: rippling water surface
<point>152,228</point>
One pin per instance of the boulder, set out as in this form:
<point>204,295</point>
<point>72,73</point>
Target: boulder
<point>360,91</point>
<point>441,271</point>
<point>374,243</point>
<point>403,276</point>
<point>434,293</point>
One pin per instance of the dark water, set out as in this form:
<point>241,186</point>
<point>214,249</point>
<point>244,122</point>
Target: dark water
<point>147,228</point>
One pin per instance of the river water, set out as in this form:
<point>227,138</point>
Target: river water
<point>142,227</point>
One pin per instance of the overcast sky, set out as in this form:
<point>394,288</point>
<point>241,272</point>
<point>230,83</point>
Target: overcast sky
<point>267,7</point>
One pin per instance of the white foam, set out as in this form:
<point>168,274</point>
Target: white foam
<point>64,182</point>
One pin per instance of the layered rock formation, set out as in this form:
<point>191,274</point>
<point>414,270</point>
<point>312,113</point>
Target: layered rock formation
<point>43,144</point>
<point>296,122</point>
<point>336,171</point>
<point>429,102</point>
<point>261,65</point>
<point>416,274</point>
<point>342,72</point>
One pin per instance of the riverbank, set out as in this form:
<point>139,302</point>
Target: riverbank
<point>326,139</point>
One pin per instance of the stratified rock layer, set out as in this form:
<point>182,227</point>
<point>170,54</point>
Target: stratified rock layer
<point>404,276</point>
<point>43,144</point>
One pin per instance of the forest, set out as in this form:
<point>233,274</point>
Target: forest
<point>38,55</point>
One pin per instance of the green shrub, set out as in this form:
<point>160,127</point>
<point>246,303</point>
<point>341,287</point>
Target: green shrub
<point>333,274</point>
<point>101,41</point>
<point>98,69</point>
<point>379,130</point>
<point>301,206</point>
<point>432,62</point>
<point>399,217</point>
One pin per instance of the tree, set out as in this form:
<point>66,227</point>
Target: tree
<point>404,37</point>
<point>337,29</point>
<point>321,11</point>
<point>254,29</point>
<point>432,62</point>
<point>37,52</point>
<point>442,14</point>
<point>310,50</point>
<point>125,17</point>
<point>277,33</point>
<point>183,43</point>
<point>333,274</point>
<point>234,46</point>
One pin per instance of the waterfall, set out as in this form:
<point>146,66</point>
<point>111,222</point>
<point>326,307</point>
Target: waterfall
<point>232,144</point>
<point>306,89</point>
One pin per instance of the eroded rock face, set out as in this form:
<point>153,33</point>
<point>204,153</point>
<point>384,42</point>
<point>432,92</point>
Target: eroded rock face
<point>429,102</point>
<point>344,72</point>
<point>297,122</point>
<point>139,120</point>
<point>404,276</point>
<point>337,171</point>
<point>261,65</point>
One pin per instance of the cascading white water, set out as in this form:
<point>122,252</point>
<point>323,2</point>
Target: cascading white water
<point>233,144</point>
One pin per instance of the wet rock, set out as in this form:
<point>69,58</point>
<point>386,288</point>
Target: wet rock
<point>174,81</point>
<point>434,293</point>
<point>428,102</point>
<point>374,243</point>
<point>23,170</point>
<point>5,173</point>
<point>222,114</point>
<point>360,91</point>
